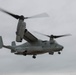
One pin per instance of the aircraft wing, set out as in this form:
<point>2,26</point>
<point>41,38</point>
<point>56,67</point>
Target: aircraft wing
<point>29,37</point>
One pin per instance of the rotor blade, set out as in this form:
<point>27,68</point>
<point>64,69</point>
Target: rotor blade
<point>41,34</point>
<point>38,16</point>
<point>11,14</point>
<point>53,36</point>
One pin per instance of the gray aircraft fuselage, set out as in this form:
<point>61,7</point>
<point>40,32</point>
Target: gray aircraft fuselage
<point>34,49</point>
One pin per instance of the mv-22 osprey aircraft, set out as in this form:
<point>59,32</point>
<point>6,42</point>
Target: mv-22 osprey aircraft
<point>33,46</point>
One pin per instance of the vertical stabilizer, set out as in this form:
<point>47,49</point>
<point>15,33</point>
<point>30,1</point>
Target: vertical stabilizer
<point>13,44</point>
<point>1,42</point>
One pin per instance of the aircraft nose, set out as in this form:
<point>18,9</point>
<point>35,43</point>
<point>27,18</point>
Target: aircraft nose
<point>61,47</point>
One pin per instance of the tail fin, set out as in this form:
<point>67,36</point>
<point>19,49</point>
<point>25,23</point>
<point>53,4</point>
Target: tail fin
<point>13,44</point>
<point>1,42</point>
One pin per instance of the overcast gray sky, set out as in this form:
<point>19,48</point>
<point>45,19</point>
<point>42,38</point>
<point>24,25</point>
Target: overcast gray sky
<point>62,20</point>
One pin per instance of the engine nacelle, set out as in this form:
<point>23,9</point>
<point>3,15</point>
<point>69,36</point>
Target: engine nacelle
<point>18,38</point>
<point>20,30</point>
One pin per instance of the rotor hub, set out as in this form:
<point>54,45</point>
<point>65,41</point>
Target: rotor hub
<point>22,17</point>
